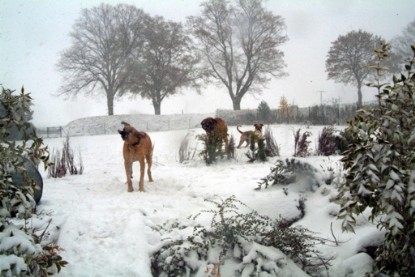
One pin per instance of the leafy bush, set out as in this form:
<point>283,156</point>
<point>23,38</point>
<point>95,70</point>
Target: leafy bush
<point>233,236</point>
<point>301,143</point>
<point>21,249</point>
<point>255,153</point>
<point>12,106</point>
<point>291,171</point>
<point>214,148</point>
<point>267,147</point>
<point>380,170</point>
<point>327,142</point>
<point>343,140</point>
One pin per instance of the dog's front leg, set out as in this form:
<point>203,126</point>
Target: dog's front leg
<point>142,169</point>
<point>227,150</point>
<point>129,174</point>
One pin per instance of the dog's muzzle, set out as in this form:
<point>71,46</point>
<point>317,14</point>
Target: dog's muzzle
<point>124,134</point>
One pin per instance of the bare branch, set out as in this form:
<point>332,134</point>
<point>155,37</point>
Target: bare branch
<point>240,44</point>
<point>103,39</point>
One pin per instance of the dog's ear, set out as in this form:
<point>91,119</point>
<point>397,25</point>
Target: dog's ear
<point>140,135</point>
<point>125,123</point>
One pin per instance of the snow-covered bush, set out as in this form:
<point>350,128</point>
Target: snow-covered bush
<point>187,151</point>
<point>291,171</point>
<point>241,243</point>
<point>63,162</point>
<point>21,252</point>
<point>271,144</point>
<point>380,170</point>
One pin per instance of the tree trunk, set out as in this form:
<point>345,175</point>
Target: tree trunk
<point>110,103</point>
<point>359,94</point>
<point>236,103</point>
<point>157,107</point>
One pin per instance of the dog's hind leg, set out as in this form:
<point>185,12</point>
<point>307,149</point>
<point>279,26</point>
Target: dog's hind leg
<point>241,141</point>
<point>149,159</point>
<point>142,169</point>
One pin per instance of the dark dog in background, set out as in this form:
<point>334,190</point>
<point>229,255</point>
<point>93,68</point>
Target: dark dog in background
<point>216,129</point>
<point>137,147</point>
<point>247,136</point>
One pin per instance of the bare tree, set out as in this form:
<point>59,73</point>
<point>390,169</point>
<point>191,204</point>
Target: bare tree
<point>349,59</point>
<point>165,64</point>
<point>401,45</point>
<point>102,41</point>
<point>240,43</point>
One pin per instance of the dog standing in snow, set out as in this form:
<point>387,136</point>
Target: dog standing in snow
<point>247,136</point>
<point>137,147</point>
<point>216,131</point>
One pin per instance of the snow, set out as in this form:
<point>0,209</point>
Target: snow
<point>106,231</point>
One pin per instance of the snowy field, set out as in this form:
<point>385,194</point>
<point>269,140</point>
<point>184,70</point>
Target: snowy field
<point>106,231</point>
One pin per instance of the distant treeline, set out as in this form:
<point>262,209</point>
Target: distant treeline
<point>337,114</point>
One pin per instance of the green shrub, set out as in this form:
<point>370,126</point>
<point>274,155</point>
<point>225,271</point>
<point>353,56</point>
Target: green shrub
<point>27,256</point>
<point>232,236</point>
<point>267,147</point>
<point>215,148</point>
<point>257,153</point>
<point>380,170</point>
<point>291,171</point>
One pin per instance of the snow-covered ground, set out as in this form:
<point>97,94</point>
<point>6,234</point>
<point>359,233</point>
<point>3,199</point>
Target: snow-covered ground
<point>106,231</point>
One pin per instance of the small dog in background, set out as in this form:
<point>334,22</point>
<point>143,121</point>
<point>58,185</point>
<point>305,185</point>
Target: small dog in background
<point>137,147</point>
<point>247,136</point>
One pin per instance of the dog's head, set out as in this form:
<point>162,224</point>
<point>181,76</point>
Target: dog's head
<point>258,126</point>
<point>130,135</point>
<point>208,124</point>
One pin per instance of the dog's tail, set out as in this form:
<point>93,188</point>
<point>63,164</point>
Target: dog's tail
<point>237,128</point>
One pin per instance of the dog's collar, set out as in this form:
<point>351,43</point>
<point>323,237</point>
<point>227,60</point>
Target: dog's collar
<point>134,144</point>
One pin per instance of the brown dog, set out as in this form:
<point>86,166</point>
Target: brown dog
<point>137,147</point>
<point>216,128</point>
<point>248,135</point>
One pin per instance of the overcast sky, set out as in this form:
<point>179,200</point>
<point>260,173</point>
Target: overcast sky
<point>34,32</point>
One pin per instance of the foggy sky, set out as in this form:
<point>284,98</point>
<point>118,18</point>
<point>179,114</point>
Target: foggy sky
<point>34,32</point>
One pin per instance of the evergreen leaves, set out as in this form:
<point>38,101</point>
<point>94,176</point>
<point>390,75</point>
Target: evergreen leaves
<point>380,170</point>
